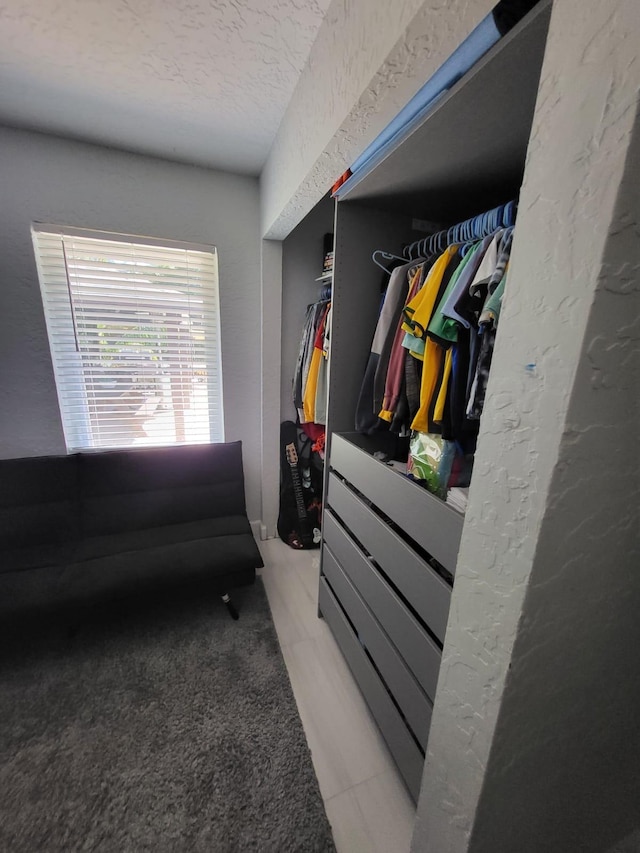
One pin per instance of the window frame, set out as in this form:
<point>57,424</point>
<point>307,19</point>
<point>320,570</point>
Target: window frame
<point>79,437</point>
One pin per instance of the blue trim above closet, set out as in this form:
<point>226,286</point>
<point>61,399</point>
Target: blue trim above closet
<point>473,48</point>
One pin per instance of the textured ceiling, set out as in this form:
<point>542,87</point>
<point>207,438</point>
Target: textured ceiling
<point>202,81</point>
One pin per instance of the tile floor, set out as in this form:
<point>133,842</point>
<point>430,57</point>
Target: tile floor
<point>367,803</point>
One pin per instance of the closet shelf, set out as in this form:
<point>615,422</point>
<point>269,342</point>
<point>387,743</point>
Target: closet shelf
<point>325,276</point>
<point>468,154</point>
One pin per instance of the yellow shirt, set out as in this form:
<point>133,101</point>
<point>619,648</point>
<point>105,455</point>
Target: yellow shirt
<point>418,312</point>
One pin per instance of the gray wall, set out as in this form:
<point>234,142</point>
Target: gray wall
<point>67,183</point>
<point>534,742</point>
<point>302,256</point>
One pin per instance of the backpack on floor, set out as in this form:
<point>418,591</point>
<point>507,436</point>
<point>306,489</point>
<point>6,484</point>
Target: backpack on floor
<point>300,489</point>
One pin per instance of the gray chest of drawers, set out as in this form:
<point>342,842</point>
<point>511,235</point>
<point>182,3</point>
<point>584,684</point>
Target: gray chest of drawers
<point>388,557</point>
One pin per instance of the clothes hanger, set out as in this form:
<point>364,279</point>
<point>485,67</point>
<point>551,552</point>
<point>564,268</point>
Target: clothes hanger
<point>387,256</point>
<point>469,231</point>
<point>509,214</point>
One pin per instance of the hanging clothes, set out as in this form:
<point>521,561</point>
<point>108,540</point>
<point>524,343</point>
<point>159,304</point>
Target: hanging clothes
<point>309,382</point>
<point>418,312</point>
<point>476,255</point>
<point>433,344</point>
<point>311,386</point>
<point>417,316</point>
<point>443,327</point>
<point>297,386</point>
<point>412,382</point>
<point>395,372</point>
<point>479,291</point>
<point>304,355</point>
<point>374,378</point>
<point>322,386</point>
<point>487,327</point>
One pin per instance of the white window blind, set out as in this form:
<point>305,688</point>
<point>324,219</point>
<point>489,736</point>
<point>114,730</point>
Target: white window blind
<point>134,331</point>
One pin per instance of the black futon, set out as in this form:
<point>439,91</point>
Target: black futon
<point>113,522</point>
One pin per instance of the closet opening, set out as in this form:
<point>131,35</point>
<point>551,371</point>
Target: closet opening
<point>437,202</point>
<point>410,353</point>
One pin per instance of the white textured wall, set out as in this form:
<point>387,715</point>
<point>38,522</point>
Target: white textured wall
<point>369,58</point>
<point>191,80</point>
<point>533,735</point>
<point>52,180</point>
<point>564,760</point>
<point>271,333</point>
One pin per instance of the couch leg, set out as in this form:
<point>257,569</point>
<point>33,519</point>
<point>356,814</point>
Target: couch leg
<point>230,606</point>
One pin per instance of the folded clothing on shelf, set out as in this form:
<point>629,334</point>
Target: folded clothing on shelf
<point>457,497</point>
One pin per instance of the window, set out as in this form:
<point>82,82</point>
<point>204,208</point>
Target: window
<point>134,331</point>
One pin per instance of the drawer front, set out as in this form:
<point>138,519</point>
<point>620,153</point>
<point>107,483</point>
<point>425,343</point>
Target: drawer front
<point>401,745</point>
<point>419,651</point>
<point>435,526</point>
<point>428,593</point>
<point>404,688</point>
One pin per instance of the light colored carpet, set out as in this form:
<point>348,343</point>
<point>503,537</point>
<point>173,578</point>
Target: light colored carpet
<point>155,726</point>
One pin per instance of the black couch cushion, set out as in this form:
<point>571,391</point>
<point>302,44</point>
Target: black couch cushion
<point>94,547</point>
<point>187,560</point>
<point>39,512</point>
<point>78,585</point>
<point>126,490</point>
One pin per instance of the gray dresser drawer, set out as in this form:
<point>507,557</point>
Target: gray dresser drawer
<point>419,651</point>
<point>404,688</point>
<point>404,749</point>
<point>429,594</point>
<point>435,526</point>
